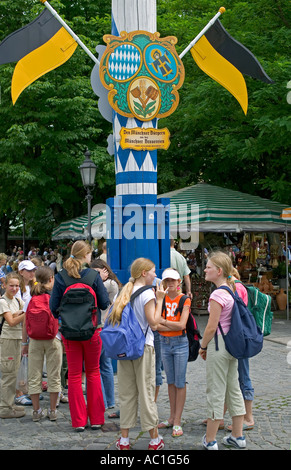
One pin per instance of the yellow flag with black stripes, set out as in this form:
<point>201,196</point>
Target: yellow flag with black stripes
<point>225,60</point>
<point>39,47</point>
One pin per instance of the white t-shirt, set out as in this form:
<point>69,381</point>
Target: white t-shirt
<point>138,306</point>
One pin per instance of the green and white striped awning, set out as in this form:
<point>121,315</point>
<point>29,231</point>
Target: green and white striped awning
<point>210,208</point>
<point>76,229</point>
<point>201,207</point>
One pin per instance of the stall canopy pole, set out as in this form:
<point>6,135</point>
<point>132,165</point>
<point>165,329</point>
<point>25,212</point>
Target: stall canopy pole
<point>287,272</point>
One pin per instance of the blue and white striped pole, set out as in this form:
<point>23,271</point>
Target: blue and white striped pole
<point>135,171</point>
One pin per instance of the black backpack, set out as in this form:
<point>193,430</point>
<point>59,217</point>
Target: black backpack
<point>192,330</point>
<point>77,307</point>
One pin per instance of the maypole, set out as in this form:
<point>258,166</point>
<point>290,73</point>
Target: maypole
<point>134,227</point>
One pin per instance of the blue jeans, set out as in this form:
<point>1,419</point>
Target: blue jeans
<point>159,364</point>
<point>175,352</point>
<point>107,379</point>
<point>244,379</point>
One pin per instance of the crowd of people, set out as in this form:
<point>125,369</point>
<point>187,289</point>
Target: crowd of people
<point>70,363</point>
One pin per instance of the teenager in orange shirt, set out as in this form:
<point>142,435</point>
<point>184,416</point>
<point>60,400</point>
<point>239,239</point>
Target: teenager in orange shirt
<point>174,348</point>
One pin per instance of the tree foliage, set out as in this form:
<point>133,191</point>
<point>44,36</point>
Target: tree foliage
<point>211,139</point>
<point>43,137</point>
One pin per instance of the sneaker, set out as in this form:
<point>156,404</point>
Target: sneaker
<point>52,415</point>
<point>12,413</point>
<point>94,427</point>
<point>121,446</point>
<point>237,442</point>
<point>80,429</point>
<point>38,415</point>
<point>160,445</point>
<point>209,445</point>
<point>61,399</point>
<point>18,407</point>
<point>23,400</point>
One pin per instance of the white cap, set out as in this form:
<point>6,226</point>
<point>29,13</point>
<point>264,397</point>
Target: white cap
<point>170,273</point>
<point>26,264</point>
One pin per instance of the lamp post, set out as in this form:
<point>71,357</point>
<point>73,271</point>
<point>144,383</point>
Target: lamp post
<point>88,173</point>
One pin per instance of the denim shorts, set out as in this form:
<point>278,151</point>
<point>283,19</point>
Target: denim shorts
<point>175,352</point>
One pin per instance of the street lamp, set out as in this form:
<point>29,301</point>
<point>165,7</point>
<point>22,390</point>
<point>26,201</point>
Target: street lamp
<point>88,173</point>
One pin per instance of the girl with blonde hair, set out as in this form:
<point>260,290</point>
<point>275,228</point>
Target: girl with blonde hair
<point>221,367</point>
<point>136,379</point>
<point>87,351</point>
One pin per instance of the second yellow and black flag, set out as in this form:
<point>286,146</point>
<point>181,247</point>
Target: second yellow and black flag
<point>38,48</point>
<point>225,60</point>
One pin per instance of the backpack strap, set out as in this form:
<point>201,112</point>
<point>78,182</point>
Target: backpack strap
<point>178,309</point>
<point>88,279</point>
<point>135,295</point>
<point>3,319</point>
<point>219,325</point>
<point>182,301</point>
<point>138,292</point>
<point>228,290</point>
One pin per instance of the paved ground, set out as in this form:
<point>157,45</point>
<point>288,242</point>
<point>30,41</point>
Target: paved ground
<point>271,376</point>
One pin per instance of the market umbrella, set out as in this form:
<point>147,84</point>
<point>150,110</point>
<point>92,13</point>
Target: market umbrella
<point>201,207</point>
<point>74,229</point>
<point>209,208</point>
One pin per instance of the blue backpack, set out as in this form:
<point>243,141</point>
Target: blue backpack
<point>244,338</point>
<point>126,340</point>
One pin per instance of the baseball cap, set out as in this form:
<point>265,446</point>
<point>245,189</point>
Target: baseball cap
<point>170,274</point>
<point>26,264</point>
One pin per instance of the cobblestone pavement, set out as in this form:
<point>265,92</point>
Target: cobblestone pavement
<point>271,376</point>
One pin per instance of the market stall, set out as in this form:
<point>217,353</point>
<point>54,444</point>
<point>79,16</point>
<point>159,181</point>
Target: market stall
<point>76,229</point>
<point>250,228</point>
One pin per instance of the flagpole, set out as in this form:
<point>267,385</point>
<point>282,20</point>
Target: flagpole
<point>211,22</point>
<point>74,36</point>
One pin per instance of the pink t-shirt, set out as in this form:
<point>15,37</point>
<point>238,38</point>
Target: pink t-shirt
<point>242,292</point>
<point>223,298</point>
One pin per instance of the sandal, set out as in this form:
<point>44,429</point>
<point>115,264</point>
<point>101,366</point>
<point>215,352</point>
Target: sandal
<point>221,424</point>
<point>115,414</point>
<point>246,427</point>
<point>177,431</point>
<point>164,424</point>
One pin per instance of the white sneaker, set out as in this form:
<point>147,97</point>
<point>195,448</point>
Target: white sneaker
<point>209,445</point>
<point>237,442</point>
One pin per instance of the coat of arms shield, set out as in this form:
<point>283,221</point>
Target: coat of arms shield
<point>143,74</point>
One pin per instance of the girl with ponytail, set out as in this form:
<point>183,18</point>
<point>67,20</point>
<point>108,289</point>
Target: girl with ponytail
<point>136,379</point>
<point>221,367</point>
<point>43,344</point>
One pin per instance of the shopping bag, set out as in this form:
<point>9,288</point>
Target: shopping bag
<point>22,377</point>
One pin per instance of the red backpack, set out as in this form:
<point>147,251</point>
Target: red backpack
<point>40,322</point>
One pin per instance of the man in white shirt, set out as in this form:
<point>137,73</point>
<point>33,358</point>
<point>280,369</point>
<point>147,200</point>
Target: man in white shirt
<point>179,263</point>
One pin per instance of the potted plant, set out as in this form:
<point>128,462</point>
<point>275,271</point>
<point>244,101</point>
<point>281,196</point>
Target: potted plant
<point>280,273</point>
